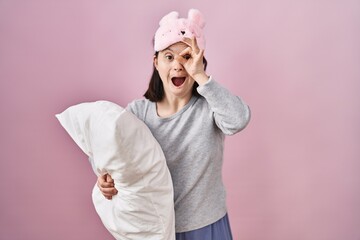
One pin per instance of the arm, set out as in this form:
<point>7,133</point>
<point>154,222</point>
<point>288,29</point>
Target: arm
<point>231,114</point>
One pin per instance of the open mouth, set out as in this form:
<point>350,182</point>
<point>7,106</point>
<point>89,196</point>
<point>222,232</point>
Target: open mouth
<point>178,81</point>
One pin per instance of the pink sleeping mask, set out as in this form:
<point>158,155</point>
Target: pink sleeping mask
<point>173,29</point>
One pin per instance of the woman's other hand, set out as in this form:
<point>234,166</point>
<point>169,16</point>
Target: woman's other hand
<point>192,59</point>
<point>107,186</point>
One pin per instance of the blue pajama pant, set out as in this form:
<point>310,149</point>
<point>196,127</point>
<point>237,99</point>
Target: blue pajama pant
<point>219,230</point>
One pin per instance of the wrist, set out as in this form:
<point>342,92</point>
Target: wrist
<point>201,78</point>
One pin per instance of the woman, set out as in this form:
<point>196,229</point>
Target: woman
<point>189,114</point>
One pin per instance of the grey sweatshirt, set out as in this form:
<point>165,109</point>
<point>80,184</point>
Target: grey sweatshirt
<point>193,143</point>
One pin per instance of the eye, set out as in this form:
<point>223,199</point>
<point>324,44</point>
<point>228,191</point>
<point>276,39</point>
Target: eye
<point>169,57</point>
<point>187,56</point>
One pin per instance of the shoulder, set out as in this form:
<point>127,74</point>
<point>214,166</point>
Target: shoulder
<point>201,103</point>
<point>138,107</point>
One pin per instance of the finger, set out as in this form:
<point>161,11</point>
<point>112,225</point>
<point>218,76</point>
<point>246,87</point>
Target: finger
<point>181,60</point>
<point>103,183</point>
<point>201,53</point>
<point>106,185</point>
<point>186,51</point>
<point>194,45</point>
<point>109,179</point>
<point>101,180</point>
<point>109,191</point>
<point>184,56</point>
<point>187,41</point>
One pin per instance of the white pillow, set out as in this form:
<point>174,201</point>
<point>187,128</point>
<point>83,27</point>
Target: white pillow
<point>120,144</point>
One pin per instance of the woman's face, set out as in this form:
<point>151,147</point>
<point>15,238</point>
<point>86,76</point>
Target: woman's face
<point>176,81</point>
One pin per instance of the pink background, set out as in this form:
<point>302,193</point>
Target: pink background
<point>292,174</point>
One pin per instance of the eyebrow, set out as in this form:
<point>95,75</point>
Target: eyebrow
<point>168,49</point>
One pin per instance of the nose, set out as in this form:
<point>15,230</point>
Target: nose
<point>177,66</point>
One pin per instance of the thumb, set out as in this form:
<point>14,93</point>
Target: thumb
<point>109,179</point>
<point>181,60</point>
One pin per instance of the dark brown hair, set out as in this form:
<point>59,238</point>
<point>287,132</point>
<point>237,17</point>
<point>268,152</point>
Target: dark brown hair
<point>155,91</point>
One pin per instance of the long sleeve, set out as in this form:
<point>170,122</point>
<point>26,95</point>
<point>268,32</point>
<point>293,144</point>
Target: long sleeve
<point>231,114</point>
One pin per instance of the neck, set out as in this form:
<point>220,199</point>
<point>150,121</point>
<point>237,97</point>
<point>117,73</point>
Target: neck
<point>171,105</point>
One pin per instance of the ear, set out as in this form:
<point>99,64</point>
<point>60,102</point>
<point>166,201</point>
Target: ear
<point>195,16</point>
<point>155,61</point>
<point>168,17</point>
